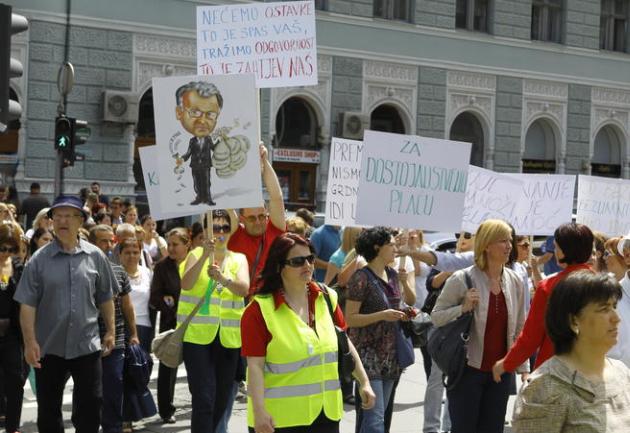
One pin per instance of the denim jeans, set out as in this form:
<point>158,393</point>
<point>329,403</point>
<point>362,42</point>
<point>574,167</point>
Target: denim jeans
<point>478,404</point>
<point>211,369</point>
<point>112,417</point>
<point>373,420</point>
<point>225,419</point>
<point>433,403</point>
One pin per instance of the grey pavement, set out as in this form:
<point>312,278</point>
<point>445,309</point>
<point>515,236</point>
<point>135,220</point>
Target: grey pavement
<point>408,409</point>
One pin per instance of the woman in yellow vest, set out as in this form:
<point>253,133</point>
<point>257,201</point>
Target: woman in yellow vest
<point>213,338</point>
<point>291,347</point>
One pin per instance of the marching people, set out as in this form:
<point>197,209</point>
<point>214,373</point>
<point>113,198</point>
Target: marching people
<point>165,291</point>
<point>477,403</point>
<point>153,244</point>
<point>578,389</point>
<point>573,246</point>
<point>58,317</point>
<point>373,310</point>
<point>12,365</point>
<point>291,347</point>
<point>125,320</point>
<point>219,278</point>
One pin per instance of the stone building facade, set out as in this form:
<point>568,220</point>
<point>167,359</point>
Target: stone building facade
<point>536,85</point>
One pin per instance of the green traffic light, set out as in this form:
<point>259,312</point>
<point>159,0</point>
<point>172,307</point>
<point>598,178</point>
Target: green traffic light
<point>62,142</point>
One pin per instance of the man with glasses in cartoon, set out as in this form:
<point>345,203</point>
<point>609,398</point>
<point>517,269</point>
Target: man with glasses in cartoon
<point>198,107</point>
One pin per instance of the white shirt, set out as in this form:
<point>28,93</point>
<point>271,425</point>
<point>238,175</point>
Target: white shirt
<point>621,350</point>
<point>140,294</point>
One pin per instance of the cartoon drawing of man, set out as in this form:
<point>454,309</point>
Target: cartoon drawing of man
<point>198,107</point>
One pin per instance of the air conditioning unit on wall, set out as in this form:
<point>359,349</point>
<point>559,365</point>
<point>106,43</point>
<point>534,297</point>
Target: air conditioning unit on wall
<point>352,125</point>
<point>120,107</point>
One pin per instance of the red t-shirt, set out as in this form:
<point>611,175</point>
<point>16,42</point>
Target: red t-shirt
<point>255,335</point>
<point>534,336</point>
<point>494,340</point>
<point>243,242</point>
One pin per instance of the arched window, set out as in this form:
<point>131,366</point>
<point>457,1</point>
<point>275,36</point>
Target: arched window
<point>540,148</point>
<point>387,118</point>
<point>296,124</point>
<point>466,127</point>
<point>145,135</point>
<point>606,153</point>
<point>296,152</point>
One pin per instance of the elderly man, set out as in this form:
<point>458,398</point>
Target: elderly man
<point>62,290</point>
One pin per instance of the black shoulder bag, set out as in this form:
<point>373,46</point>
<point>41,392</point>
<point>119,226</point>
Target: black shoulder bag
<point>345,361</point>
<point>447,345</point>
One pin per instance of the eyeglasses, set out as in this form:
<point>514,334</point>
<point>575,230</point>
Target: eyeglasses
<point>297,262</point>
<point>466,235</point>
<point>196,114</point>
<point>60,217</point>
<point>10,250</point>
<point>218,228</point>
<point>253,218</point>
<point>524,245</point>
<point>607,254</point>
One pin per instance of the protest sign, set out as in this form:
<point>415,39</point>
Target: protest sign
<point>412,182</point>
<point>604,204</point>
<point>343,182</point>
<point>548,202</point>
<point>273,41</point>
<point>490,195</point>
<point>207,143</point>
<point>148,161</point>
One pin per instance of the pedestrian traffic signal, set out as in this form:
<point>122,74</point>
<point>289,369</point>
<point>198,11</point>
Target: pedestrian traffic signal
<point>69,133</point>
<point>80,131</point>
<point>10,24</point>
<point>63,133</point>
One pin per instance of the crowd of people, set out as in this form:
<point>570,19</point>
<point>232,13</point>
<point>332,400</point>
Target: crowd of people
<point>86,283</point>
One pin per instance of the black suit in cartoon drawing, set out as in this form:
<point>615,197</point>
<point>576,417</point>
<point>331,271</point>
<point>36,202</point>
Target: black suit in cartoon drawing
<point>200,154</point>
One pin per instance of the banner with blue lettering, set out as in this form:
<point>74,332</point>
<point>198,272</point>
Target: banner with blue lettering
<point>412,182</point>
<point>274,41</point>
<point>604,204</point>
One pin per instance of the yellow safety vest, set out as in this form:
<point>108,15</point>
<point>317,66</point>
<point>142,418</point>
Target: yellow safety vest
<point>222,311</point>
<point>300,373</point>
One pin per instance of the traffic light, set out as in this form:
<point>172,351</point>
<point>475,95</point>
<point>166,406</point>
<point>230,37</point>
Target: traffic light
<point>10,24</point>
<point>69,133</point>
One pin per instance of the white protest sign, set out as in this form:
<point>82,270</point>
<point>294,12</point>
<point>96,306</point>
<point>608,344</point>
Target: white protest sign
<point>604,204</point>
<point>548,202</point>
<point>207,136</point>
<point>490,195</point>
<point>273,41</point>
<point>343,182</point>
<point>412,182</point>
<point>148,161</point>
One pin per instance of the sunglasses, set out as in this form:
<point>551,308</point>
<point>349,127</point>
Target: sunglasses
<point>466,235</point>
<point>297,262</point>
<point>524,244</point>
<point>218,228</point>
<point>11,250</point>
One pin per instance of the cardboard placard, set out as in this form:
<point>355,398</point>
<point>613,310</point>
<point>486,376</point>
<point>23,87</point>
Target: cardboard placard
<point>604,204</point>
<point>343,181</point>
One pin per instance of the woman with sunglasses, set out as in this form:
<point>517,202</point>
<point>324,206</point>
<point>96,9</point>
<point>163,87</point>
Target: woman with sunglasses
<point>291,347</point>
<point>213,338</point>
<point>14,369</point>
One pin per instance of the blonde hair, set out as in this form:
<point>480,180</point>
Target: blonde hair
<point>297,225</point>
<point>349,238</point>
<point>488,232</point>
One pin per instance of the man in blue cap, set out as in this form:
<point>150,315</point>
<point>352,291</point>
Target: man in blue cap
<point>62,290</point>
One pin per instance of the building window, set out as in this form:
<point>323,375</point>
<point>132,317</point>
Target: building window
<point>296,125</point>
<point>321,5</point>
<point>607,153</point>
<point>547,20</point>
<point>399,10</point>
<point>540,148</point>
<point>472,15</point>
<point>467,128</point>
<point>145,135</point>
<point>386,118</point>
<point>613,26</point>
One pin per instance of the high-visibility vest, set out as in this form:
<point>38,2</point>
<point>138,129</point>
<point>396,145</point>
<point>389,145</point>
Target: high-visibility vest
<point>300,372</point>
<point>221,312</point>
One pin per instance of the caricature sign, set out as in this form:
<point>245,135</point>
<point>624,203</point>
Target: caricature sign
<point>274,41</point>
<point>207,143</point>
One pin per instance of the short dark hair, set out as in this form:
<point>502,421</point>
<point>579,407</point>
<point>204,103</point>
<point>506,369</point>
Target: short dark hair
<point>35,185</point>
<point>270,279</point>
<point>569,297</point>
<point>306,215</point>
<point>95,183</point>
<point>576,242</point>
<point>37,234</point>
<point>196,229</point>
<point>371,238</point>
